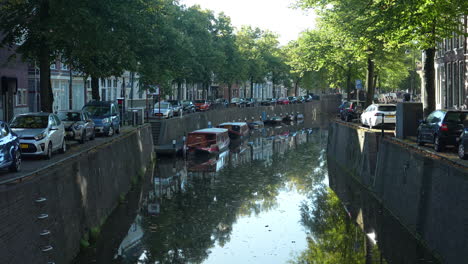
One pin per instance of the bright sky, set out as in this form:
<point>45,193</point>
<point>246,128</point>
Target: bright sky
<point>275,15</point>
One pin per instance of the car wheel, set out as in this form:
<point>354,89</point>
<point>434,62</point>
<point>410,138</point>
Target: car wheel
<point>347,119</point>
<point>111,131</point>
<point>461,151</point>
<point>48,154</point>
<point>64,147</point>
<point>83,137</point>
<point>93,136</point>
<point>16,165</point>
<point>419,140</point>
<point>438,146</point>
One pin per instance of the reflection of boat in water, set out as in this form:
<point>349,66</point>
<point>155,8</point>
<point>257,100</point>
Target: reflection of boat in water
<point>236,129</point>
<point>255,124</point>
<point>213,164</point>
<point>275,120</point>
<point>208,140</point>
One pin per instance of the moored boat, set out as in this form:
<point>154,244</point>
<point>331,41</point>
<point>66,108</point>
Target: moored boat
<point>235,129</point>
<point>208,140</point>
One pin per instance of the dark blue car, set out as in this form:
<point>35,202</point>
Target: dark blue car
<point>105,115</point>
<point>10,154</point>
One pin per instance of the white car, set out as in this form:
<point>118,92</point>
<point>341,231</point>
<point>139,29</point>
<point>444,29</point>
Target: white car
<point>163,110</point>
<point>40,134</point>
<point>372,116</point>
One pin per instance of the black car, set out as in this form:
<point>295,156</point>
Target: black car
<point>442,128</point>
<point>188,107</point>
<point>463,142</point>
<point>292,100</point>
<point>251,102</point>
<point>350,110</point>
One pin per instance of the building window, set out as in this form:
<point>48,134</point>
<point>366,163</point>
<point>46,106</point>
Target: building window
<point>115,83</point>
<point>103,95</point>
<point>103,83</point>
<point>21,97</point>
<point>53,66</point>
<point>109,83</point>
<point>64,67</point>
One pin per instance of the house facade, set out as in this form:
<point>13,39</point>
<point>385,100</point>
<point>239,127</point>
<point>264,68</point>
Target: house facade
<point>451,62</point>
<point>13,85</point>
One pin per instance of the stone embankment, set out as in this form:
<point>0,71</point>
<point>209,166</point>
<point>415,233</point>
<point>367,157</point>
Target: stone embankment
<point>426,193</point>
<point>44,219</point>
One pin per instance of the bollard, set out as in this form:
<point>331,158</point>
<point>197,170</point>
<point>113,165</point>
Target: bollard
<point>383,124</point>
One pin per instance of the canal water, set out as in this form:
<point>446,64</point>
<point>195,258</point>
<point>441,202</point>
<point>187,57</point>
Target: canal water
<point>265,200</point>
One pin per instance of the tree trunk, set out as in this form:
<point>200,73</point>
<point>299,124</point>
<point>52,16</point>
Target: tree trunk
<point>370,81</point>
<point>44,82</point>
<point>251,87</point>
<point>428,99</point>
<point>179,90</point>
<point>229,92</point>
<point>296,89</point>
<point>95,88</point>
<point>349,85</point>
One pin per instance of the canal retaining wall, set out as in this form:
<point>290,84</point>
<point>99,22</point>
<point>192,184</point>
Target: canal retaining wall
<point>426,193</point>
<point>46,218</point>
<point>164,131</point>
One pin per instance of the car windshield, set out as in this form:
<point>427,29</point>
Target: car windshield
<point>387,108</point>
<point>30,121</point>
<point>456,117</point>
<point>97,110</point>
<point>199,101</point>
<point>186,102</point>
<point>173,102</point>
<point>69,116</point>
<point>163,105</point>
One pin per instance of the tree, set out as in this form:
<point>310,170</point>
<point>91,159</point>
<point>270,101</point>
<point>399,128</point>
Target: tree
<point>31,28</point>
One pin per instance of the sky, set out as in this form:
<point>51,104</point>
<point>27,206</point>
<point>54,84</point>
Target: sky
<point>275,15</point>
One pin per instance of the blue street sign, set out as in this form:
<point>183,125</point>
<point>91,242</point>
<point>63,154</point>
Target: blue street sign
<point>359,84</point>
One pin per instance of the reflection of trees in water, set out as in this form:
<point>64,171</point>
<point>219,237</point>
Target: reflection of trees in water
<point>195,220</point>
<point>333,239</point>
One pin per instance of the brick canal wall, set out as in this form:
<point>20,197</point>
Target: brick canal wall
<point>80,193</point>
<point>164,131</point>
<point>427,194</point>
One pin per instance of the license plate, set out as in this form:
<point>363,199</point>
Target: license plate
<point>391,116</point>
<point>24,146</point>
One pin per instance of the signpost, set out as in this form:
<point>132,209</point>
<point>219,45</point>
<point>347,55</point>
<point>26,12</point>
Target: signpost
<point>358,89</point>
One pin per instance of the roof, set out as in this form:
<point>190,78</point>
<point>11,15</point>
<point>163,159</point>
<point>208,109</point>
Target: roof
<point>209,131</point>
<point>234,124</point>
<point>35,114</point>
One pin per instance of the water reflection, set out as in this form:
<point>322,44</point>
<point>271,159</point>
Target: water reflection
<point>266,200</point>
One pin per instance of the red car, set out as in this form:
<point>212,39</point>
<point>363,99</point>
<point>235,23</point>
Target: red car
<point>202,105</point>
<point>283,101</point>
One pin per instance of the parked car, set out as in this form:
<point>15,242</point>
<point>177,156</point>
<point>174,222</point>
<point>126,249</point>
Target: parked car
<point>163,110</point>
<point>105,115</point>
<point>238,102</point>
<point>274,101</point>
<point>266,102</point>
<point>292,100</point>
<point>188,107</point>
<point>202,105</point>
<point>40,134</point>
<point>442,128</point>
<point>221,102</point>
<point>177,107</point>
<point>343,105</point>
<point>78,125</point>
<point>9,149</point>
<point>372,115</point>
<point>352,111</point>
<point>463,142</point>
<point>308,98</point>
<point>283,101</point>
<point>251,102</point>
<point>301,99</point>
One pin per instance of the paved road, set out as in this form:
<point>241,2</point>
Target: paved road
<point>450,153</point>
<point>31,164</point>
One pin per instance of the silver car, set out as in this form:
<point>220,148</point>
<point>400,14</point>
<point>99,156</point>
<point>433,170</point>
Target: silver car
<point>163,110</point>
<point>40,134</point>
<point>78,125</point>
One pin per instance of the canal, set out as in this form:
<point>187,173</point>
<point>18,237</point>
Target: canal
<point>265,200</point>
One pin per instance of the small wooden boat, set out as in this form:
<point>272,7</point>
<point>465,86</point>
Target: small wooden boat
<point>274,120</point>
<point>208,140</point>
<point>236,129</point>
